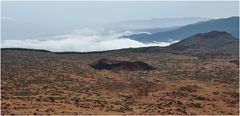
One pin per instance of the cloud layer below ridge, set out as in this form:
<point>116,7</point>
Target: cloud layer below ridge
<point>82,40</point>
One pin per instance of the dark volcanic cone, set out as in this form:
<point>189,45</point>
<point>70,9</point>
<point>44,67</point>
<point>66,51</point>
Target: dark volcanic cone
<point>120,65</point>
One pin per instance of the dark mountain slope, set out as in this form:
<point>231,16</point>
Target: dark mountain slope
<point>229,25</point>
<point>211,42</point>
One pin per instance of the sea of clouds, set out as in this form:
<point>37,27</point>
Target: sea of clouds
<point>81,40</point>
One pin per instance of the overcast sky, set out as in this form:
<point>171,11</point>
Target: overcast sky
<point>99,13</point>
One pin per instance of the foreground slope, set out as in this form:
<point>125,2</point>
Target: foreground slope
<point>43,82</point>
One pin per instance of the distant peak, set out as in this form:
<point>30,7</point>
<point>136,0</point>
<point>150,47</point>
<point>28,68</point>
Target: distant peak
<point>234,17</point>
<point>213,34</point>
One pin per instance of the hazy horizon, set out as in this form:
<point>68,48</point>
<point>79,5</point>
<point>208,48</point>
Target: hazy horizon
<point>90,26</point>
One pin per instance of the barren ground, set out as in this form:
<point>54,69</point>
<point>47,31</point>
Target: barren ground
<point>47,83</point>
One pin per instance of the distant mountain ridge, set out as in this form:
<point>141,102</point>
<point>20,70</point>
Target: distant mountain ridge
<point>229,25</point>
<point>155,30</point>
<point>156,24</point>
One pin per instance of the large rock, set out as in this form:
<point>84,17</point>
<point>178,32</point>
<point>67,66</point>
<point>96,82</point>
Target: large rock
<point>120,65</point>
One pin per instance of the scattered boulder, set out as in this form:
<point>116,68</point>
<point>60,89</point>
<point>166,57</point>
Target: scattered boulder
<point>235,62</point>
<point>108,64</point>
<point>189,88</point>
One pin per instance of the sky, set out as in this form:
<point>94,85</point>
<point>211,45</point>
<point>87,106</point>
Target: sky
<point>99,13</point>
<point>34,20</point>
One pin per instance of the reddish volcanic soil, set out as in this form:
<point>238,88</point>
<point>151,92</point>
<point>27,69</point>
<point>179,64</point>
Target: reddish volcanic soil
<point>35,82</point>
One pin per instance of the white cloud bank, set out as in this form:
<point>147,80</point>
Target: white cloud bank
<point>81,40</point>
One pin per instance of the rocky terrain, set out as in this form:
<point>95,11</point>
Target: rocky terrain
<point>151,80</point>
